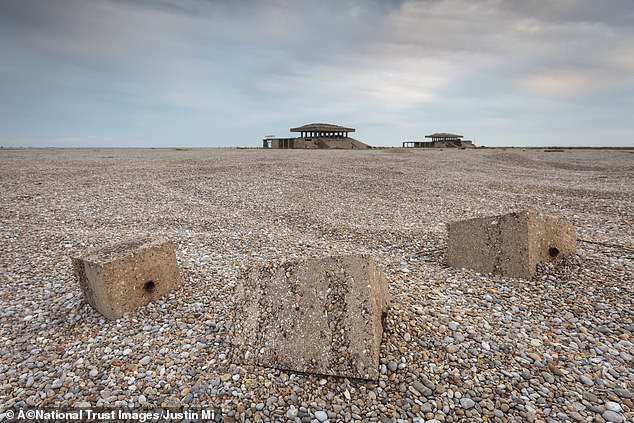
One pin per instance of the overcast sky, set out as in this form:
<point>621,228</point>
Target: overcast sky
<point>161,73</point>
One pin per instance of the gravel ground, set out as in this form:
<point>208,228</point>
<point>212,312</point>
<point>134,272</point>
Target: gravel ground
<point>459,346</point>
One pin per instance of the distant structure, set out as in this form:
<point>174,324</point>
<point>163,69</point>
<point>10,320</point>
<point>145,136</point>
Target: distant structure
<point>317,135</point>
<point>441,140</point>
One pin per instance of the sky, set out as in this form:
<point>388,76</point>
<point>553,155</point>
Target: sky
<point>213,73</point>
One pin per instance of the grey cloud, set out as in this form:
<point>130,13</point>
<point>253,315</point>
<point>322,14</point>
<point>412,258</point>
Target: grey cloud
<point>608,12</point>
<point>99,30</point>
<point>364,60</point>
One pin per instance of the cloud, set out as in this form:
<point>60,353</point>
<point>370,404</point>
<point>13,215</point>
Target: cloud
<point>612,13</point>
<point>397,83</point>
<point>567,83</point>
<point>206,64</point>
<point>101,32</point>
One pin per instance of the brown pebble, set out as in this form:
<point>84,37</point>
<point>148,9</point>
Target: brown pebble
<point>452,348</point>
<point>555,370</point>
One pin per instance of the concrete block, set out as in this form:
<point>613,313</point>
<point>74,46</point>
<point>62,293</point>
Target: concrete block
<point>321,316</point>
<point>120,277</point>
<point>511,245</point>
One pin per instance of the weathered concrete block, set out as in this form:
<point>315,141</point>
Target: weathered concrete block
<point>511,245</point>
<point>118,278</point>
<point>320,316</point>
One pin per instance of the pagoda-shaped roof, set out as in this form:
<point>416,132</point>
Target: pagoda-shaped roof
<point>321,127</point>
<point>444,135</point>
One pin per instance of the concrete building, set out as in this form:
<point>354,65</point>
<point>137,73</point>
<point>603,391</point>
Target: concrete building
<point>441,140</point>
<point>317,135</point>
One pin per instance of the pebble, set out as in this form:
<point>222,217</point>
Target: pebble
<point>576,416</point>
<point>422,389</point>
<point>322,416</point>
<point>623,393</point>
<point>451,348</point>
<point>612,416</point>
<point>586,380</point>
<point>292,413</point>
<point>613,406</point>
<point>467,403</point>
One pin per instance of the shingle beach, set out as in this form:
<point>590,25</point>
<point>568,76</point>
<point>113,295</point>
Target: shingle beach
<point>458,345</point>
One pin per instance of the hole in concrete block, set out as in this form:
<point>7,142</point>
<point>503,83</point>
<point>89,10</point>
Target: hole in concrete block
<point>553,252</point>
<point>384,322</point>
<point>148,287</point>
